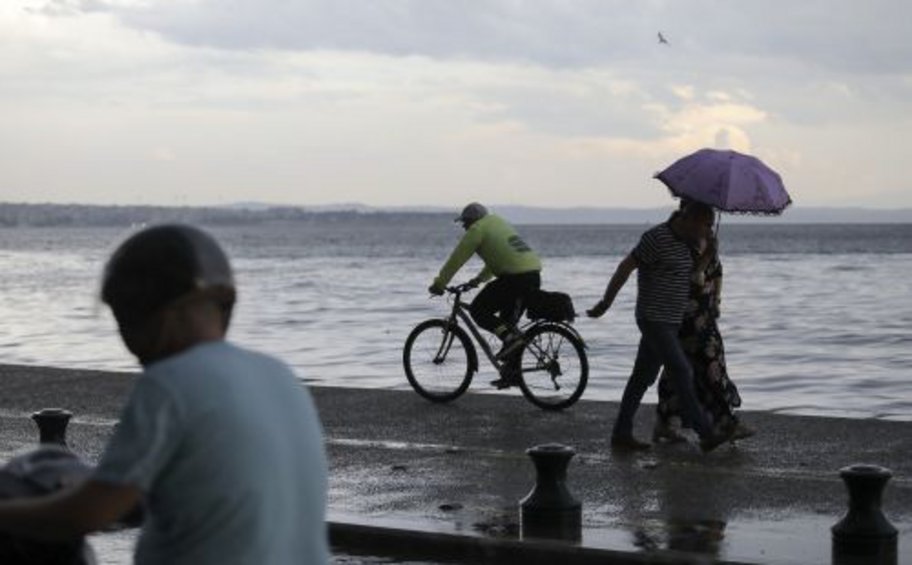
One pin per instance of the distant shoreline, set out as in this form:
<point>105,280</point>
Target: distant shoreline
<point>14,215</point>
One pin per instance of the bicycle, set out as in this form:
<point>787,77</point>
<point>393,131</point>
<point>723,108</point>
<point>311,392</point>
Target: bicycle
<point>440,358</point>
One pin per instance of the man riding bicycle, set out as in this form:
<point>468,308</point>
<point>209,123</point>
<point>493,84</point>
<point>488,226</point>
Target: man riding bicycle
<point>508,258</point>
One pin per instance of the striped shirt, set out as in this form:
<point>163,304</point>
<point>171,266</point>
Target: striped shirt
<point>664,269</point>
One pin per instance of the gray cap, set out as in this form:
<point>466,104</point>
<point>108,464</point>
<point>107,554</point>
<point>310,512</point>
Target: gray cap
<point>472,213</point>
<point>157,265</point>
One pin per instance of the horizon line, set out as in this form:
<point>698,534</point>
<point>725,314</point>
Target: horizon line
<point>442,208</point>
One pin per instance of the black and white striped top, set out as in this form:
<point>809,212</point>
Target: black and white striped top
<point>664,268</point>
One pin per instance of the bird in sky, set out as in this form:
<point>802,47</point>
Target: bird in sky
<point>662,39</point>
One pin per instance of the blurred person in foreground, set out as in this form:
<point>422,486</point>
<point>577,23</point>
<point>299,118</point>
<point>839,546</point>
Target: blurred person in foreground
<point>508,258</point>
<point>221,446</point>
<point>664,263</point>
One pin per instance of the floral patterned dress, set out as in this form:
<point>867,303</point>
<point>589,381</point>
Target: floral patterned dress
<point>702,343</point>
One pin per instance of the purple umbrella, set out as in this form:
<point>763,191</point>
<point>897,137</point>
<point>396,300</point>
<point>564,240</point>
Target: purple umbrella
<point>728,181</point>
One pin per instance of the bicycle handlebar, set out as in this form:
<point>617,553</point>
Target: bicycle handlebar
<point>455,289</point>
<point>460,288</point>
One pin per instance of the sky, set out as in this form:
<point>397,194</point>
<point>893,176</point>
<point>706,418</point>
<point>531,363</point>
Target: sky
<point>440,102</point>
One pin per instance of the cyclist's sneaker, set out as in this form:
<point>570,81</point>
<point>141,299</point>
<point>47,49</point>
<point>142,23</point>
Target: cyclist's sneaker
<point>506,381</point>
<point>511,344</point>
<point>509,375</point>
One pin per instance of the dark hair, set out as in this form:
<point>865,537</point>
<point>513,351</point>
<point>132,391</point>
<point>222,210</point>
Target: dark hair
<point>691,208</point>
<point>160,264</point>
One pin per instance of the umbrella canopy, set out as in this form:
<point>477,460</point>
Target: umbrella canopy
<point>728,181</point>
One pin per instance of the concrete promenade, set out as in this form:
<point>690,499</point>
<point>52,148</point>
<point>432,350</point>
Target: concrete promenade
<point>425,482</point>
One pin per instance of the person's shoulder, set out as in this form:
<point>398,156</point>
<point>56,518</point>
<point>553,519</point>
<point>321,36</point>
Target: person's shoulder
<point>209,358</point>
<point>253,356</point>
<point>170,374</point>
<point>493,222</point>
<point>489,220</point>
<point>477,231</point>
<point>197,353</point>
<point>661,227</point>
<point>658,230</point>
<point>157,385</point>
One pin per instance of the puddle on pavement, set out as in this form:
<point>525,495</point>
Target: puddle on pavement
<point>781,540</point>
<point>803,539</point>
<point>798,540</point>
<point>790,540</point>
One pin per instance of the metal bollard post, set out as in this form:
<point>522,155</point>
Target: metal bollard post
<point>549,510</point>
<point>864,535</point>
<point>52,425</point>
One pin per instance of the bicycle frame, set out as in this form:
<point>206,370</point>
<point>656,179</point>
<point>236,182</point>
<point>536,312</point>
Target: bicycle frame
<point>460,312</point>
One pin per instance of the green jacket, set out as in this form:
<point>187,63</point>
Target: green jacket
<point>498,245</point>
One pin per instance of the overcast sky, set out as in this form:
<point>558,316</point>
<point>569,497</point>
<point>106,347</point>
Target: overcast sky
<point>438,102</point>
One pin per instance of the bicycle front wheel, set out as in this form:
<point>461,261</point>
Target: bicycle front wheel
<point>553,366</point>
<point>438,360</point>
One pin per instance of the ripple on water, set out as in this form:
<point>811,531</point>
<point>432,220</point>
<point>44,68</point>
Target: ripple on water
<point>804,330</point>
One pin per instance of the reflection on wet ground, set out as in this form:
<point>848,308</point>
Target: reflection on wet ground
<point>771,499</point>
<point>796,540</point>
<point>767,540</point>
<point>338,559</point>
<point>116,548</point>
<point>461,469</point>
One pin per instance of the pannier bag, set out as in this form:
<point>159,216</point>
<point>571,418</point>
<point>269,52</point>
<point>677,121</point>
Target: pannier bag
<point>550,306</point>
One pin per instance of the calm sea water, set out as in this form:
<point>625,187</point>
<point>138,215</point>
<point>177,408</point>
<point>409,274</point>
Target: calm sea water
<point>817,318</point>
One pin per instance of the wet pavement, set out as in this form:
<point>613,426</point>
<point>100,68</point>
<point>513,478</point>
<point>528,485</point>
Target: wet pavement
<point>462,467</point>
<point>408,476</point>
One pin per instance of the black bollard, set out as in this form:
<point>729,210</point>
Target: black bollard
<point>864,535</point>
<point>52,425</point>
<point>549,510</point>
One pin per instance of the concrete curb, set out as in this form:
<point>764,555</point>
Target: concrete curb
<point>409,543</point>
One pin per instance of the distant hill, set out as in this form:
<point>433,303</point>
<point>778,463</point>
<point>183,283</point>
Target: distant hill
<point>12,215</point>
<point>80,215</point>
<point>595,215</point>
<point>792,215</point>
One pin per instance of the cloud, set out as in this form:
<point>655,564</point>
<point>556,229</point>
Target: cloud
<point>533,102</point>
<point>787,56</point>
<point>163,154</point>
<point>683,128</point>
<point>835,35</point>
<point>434,28</point>
<point>684,92</point>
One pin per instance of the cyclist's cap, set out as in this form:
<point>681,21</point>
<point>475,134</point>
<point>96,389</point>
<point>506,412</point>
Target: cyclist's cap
<point>160,264</point>
<point>472,213</point>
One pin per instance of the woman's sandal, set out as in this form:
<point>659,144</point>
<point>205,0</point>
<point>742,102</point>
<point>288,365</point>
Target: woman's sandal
<point>663,433</point>
<point>742,432</point>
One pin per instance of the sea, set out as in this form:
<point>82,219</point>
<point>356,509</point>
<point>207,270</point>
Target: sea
<point>817,318</point>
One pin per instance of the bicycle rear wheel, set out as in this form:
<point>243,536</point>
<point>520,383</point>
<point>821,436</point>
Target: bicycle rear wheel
<point>438,360</point>
<point>554,368</point>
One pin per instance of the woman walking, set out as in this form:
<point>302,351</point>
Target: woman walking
<point>702,342</point>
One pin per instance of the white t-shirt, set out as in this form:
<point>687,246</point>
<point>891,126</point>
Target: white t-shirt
<point>226,446</point>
